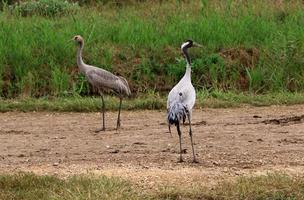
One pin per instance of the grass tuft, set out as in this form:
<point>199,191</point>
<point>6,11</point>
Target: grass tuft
<point>28,186</point>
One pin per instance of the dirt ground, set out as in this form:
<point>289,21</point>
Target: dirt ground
<point>228,143</point>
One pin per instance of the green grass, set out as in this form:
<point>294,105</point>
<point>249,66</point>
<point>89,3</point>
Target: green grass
<point>27,186</point>
<point>32,187</point>
<point>252,46</point>
<point>270,187</point>
<point>152,100</point>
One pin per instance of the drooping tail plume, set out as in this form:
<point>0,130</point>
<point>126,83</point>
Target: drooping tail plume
<point>177,113</point>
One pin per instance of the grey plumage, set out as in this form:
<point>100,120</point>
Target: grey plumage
<point>101,79</point>
<point>177,113</point>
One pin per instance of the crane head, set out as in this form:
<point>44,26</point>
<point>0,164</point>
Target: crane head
<point>189,43</point>
<point>78,39</point>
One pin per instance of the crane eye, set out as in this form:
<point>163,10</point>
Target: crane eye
<point>180,94</point>
<point>75,38</point>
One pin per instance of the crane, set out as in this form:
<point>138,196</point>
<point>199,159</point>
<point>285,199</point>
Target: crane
<point>181,99</point>
<point>100,80</point>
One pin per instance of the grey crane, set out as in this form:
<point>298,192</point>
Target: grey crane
<point>181,99</point>
<point>101,79</point>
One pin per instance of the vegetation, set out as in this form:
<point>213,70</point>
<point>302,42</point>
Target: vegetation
<point>49,8</point>
<point>270,187</point>
<point>150,100</point>
<point>31,187</point>
<point>254,47</point>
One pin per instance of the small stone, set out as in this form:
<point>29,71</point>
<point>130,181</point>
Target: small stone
<point>225,170</point>
<point>237,173</point>
<point>184,151</point>
<point>55,164</point>
<point>215,163</point>
<point>114,151</point>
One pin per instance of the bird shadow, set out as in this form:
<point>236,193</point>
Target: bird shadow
<point>107,130</point>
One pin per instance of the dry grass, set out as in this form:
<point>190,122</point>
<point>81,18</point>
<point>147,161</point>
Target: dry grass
<point>30,187</point>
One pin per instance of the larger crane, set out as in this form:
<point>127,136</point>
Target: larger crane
<point>101,79</point>
<point>181,99</point>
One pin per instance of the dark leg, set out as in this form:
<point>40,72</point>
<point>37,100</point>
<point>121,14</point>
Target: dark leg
<point>169,125</point>
<point>103,117</point>
<point>190,133</point>
<point>180,142</point>
<point>118,119</point>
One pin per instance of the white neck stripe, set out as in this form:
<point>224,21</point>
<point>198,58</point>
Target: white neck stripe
<point>184,44</point>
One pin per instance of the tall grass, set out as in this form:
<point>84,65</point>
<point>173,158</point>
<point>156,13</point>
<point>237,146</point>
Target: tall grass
<point>254,45</point>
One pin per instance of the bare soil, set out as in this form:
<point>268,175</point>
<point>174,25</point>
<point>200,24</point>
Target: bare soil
<point>228,143</point>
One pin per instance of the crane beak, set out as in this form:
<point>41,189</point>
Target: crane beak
<point>196,45</point>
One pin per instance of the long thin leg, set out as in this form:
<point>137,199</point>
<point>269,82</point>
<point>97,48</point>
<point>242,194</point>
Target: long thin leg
<point>169,125</point>
<point>190,133</point>
<point>103,117</point>
<point>180,142</point>
<point>118,119</point>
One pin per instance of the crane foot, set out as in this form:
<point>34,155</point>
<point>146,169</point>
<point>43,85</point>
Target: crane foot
<point>100,129</point>
<point>195,161</point>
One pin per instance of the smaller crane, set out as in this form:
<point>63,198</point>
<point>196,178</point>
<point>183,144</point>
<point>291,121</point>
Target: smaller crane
<point>101,79</point>
<point>181,99</point>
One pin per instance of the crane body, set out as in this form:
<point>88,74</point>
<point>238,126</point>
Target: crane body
<point>181,100</point>
<point>100,80</point>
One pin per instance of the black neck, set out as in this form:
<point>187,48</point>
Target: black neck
<point>185,51</point>
<point>80,44</point>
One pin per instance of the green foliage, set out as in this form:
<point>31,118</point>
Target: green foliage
<point>271,186</point>
<point>49,8</point>
<point>28,186</point>
<point>253,46</point>
<point>150,100</point>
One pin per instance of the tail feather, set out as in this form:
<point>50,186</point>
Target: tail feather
<point>177,113</point>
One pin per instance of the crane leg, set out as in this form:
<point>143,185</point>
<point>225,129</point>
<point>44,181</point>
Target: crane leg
<point>118,119</point>
<point>180,142</point>
<point>103,117</point>
<point>190,133</point>
<point>169,127</point>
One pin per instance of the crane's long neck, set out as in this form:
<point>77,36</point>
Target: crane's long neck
<point>185,51</point>
<point>188,60</point>
<point>80,62</point>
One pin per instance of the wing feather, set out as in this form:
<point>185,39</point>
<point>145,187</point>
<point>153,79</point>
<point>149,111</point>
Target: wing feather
<point>101,79</point>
